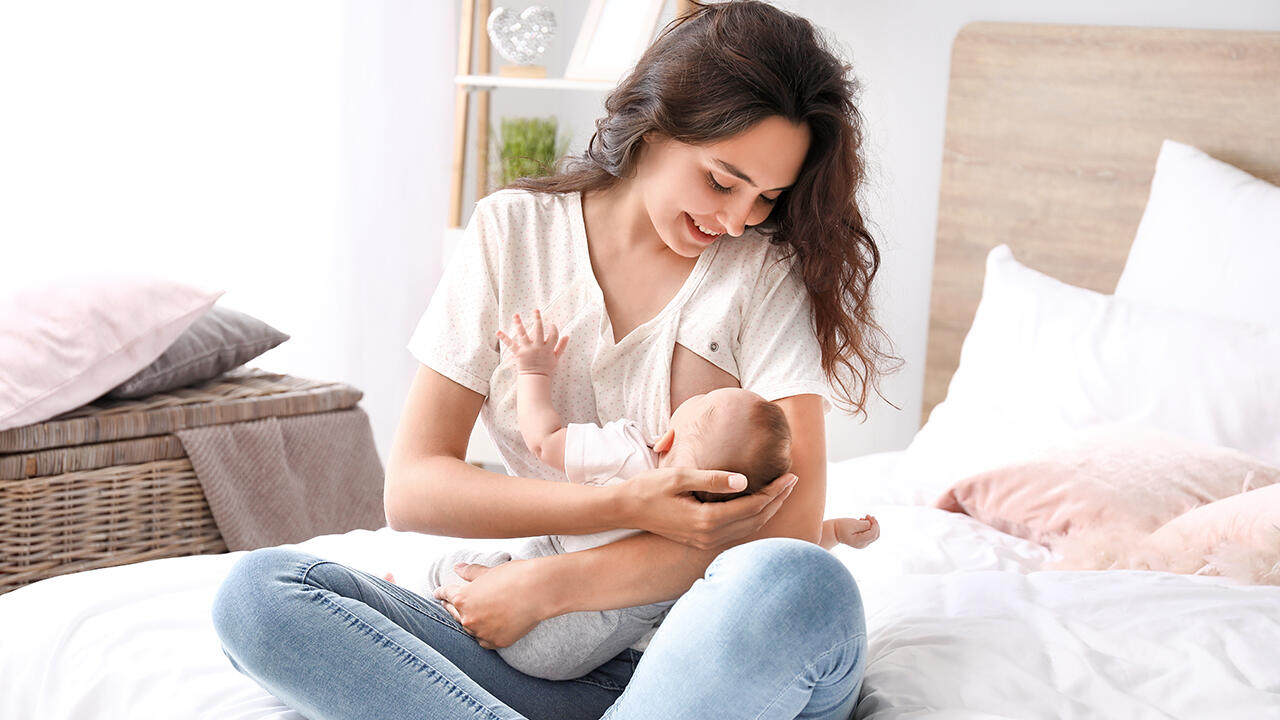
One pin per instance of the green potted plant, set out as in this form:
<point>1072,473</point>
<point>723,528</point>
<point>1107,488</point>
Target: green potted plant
<point>527,147</point>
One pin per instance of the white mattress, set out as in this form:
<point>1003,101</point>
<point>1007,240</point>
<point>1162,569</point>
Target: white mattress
<point>962,621</point>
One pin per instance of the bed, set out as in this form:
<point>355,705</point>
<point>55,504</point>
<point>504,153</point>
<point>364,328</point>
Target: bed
<point>1053,135</point>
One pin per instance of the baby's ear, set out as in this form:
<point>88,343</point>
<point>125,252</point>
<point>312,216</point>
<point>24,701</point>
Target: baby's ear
<point>664,442</point>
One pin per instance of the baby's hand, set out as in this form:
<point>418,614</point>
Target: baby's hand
<point>854,532</point>
<point>536,354</point>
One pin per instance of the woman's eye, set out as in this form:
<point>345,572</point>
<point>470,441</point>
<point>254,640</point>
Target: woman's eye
<point>711,180</point>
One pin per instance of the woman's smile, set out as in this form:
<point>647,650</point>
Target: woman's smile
<point>696,232</point>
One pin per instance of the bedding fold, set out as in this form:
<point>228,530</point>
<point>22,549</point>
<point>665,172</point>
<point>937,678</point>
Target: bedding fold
<point>284,480</point>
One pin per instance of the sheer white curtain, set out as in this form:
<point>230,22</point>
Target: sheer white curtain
<point>294,153</point>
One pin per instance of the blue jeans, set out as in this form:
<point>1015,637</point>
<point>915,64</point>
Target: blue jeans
<point>774,630</point>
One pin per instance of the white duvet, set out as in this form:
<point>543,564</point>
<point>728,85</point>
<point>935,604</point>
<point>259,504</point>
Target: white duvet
<point>963,623</point>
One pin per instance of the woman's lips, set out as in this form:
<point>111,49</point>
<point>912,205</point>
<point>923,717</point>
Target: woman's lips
<point>698,235</point>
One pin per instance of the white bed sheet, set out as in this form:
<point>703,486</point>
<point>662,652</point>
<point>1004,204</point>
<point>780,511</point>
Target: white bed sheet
<point>962,621</point>
<point>1121,644</point>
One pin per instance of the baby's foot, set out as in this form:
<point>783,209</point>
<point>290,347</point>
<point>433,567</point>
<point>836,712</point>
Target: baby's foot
<point>854,532</point>
<point>389,578</point>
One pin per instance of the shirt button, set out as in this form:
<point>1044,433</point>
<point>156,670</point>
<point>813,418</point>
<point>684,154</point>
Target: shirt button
<point>715,346</point>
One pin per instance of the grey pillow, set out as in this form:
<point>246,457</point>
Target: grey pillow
<point>219,341</point>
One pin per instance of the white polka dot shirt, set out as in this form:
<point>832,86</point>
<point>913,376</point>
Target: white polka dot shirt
<point>740,309</point>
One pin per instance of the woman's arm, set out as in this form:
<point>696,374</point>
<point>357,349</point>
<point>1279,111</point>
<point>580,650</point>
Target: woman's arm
<point>649,568</point>
<point>430,488</point>
<point>643,568</point>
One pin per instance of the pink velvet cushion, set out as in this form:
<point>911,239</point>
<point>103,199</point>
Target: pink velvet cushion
<point>1238,536</point>
<point>66,343</point>
<point>1120,480</point>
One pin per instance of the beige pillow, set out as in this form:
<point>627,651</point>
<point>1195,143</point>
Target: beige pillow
<point>1117,481</point>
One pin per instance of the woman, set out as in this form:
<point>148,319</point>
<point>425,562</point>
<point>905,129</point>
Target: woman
<point>737,121</point>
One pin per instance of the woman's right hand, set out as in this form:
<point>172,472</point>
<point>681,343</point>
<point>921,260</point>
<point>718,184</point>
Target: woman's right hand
<point>661,502</point>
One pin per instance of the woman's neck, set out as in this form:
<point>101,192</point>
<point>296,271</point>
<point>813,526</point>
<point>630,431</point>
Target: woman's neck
<point>616,219</point>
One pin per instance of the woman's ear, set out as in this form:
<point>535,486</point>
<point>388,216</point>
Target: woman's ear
<point>653,137</point>
<point>664,443</point>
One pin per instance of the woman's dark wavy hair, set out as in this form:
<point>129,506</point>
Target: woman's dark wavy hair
<point>718,71</point>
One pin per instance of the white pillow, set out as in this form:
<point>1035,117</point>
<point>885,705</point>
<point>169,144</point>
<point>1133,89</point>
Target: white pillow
<point>64,344</point>
<point>1044,357</point>
<point>1209,240</point>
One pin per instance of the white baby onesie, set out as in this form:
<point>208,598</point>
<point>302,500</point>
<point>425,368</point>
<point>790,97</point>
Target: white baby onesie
<point>601,456</point>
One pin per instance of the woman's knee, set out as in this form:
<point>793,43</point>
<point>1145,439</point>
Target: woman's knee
<point>253,593</point>
<point>783,560</point>
<point>791,578</point>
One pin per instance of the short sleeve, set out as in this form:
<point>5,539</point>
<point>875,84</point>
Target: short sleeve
<point>593,455</point>
<point>456,336</point>
<point>778,354</point>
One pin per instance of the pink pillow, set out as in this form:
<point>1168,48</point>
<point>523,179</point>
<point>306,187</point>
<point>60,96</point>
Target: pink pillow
<point>65,344</point>
<point>1237,536</point>
<point>1118,480</point>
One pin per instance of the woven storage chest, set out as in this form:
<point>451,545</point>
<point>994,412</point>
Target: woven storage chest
<point>109,484</point>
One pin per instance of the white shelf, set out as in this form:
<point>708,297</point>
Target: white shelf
<point>495,81</point>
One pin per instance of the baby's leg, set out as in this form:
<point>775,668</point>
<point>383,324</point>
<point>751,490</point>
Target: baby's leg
<point>571,645</point>
<point>441,572</point>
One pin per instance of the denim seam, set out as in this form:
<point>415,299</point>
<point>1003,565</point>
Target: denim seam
<point>611,687</point>
<point>306,567</point>
<point>403,651</point>
<point>406,597</point>
<point>784,688</point>
<point>395,594</point>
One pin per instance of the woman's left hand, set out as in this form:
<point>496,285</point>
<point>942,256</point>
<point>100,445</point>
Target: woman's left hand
<point>497,605</point>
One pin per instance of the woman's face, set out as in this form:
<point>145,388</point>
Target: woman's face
<point>696,193</point>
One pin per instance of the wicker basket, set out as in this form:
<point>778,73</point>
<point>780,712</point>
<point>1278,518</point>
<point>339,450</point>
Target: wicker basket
<point>108,484</point>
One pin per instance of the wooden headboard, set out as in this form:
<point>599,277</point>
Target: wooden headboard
<point>1051,142</point>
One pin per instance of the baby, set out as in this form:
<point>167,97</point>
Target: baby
<point>725,429</point>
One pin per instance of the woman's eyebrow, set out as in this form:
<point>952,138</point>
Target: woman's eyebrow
<point>743,176</point>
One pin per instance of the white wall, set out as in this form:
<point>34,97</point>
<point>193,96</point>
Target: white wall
<point>294,153</point>
<point>396,119</point>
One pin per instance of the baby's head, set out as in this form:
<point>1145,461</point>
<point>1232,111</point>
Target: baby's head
<point>728,429</point>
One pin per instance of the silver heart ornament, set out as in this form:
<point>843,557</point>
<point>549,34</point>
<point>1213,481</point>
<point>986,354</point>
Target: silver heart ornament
<point>522,38</point>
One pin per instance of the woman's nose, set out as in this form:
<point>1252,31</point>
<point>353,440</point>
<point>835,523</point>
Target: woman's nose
<point>733,216</point>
